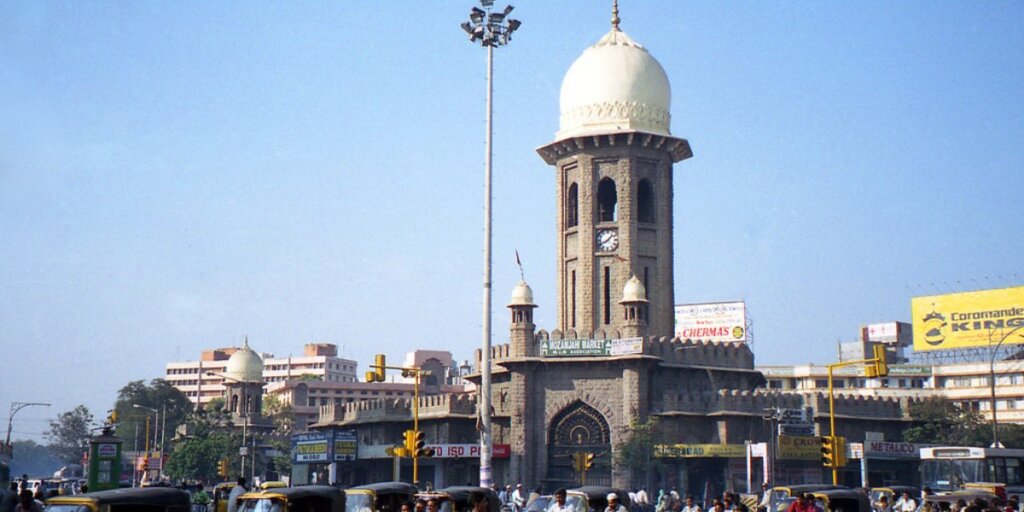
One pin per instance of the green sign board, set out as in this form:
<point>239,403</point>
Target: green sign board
<point>104,462</point>
<point>591,348</point>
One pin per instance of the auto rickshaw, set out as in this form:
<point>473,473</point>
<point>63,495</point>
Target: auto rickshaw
<point>892,493</point>
<point>782,495</point>
<point>842,500</point>
<point>943,502</point>
<point>990,487</point>
<point>594,498</point>
<point>308,498</point>
<point>220,494</point>
<point>379,497</point>
<point>149,499</point>
<point>273,484</point>
<point>459,498</point>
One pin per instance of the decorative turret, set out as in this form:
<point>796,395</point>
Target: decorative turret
<point>522,340</point>
<point>634,308</point>
<point>243,383</point>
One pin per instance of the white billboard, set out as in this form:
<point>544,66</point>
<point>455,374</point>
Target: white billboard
<point>887,332</point>
<point>715,321</point>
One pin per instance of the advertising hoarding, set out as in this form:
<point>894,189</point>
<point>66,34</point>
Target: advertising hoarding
<point>344,445</point>
<point>715,321</point>
<point>969,319</point>
<point>312,447</point>
<point>686,451</point>
<point>591,348</point>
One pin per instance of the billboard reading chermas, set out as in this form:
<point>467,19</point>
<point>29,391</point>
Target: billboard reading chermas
<point>969,319</point>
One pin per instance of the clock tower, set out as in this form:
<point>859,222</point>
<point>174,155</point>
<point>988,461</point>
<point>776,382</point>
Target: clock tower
<point>613,157</point>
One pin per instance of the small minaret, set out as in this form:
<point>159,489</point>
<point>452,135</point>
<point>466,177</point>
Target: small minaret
<point>522,328</point>
<point>634,308</point>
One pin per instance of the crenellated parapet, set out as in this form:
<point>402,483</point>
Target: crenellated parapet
<point>675,351</point>
<point>756,402</point>
<point>446,405</point>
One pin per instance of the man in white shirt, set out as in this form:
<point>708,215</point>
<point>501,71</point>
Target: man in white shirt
<point>560,505</point>
<point>691,506</point>
<point>519,498</point>
<point>236,491</point>
<point>613,503</point>
<point>909,504</point>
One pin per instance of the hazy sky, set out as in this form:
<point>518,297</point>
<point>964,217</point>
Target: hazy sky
<point>176,175</point>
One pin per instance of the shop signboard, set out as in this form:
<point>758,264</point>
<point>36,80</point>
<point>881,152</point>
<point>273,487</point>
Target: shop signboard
<point>344,445</point>
<point>715,321</point>
<point>892,450</point>
<point>591,347</point>
<point>799,448</point>
<point>471,451</point>
<point>312,447</point>
<point>970,319</point>
<point>685,451</point>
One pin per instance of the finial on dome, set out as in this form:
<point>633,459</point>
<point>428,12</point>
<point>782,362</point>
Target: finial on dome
<point>615,15</point>
<point>245,341</point>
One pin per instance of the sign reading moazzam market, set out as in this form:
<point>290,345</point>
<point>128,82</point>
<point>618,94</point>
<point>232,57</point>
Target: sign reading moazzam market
<point>591,348</point>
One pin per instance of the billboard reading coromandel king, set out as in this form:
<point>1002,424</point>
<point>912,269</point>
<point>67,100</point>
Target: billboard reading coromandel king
<point>969,319</point>
<point>715,321</point>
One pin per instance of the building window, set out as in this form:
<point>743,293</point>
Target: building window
<point>572,299</point>
<point>645,202</point>
<point>607,296</point>
<point>821,383</point>
<point>607,201</point>
<point>572,206</point>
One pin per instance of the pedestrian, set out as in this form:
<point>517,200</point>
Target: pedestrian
<point>642,499</point>
<point>909,504</point>
<point>718,506</point>
<point>691,505</point>
<point>421,505</point>
<point>518,498</point>
<point>802,504</point>
<point>432,505</point>
<point>766,498</point>
<point>663,503</point>
<point>882,505</point>
<point>407,506</point>
<point>505,496</point>
<point>27,503</point>
<point>560,505</point>
<point>10,499</point>
<point>236,492</point>
<point>613,503</point>
<point>479,502</point>
<point>200,499</point>
<point>1013,505</point>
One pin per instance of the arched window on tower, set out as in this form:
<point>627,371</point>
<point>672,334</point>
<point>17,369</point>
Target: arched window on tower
<point>607,201</point>
<point>645,201</point>
<point>572,206</point>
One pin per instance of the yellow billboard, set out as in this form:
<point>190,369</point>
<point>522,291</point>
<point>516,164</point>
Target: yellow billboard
<point>969,319</point>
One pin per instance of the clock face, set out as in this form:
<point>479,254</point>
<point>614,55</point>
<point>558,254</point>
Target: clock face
<point>607,240</point>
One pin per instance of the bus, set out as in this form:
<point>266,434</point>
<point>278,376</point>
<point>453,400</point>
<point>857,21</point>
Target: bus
<point>950,468</point>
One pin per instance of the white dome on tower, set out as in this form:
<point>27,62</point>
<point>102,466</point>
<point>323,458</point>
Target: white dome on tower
<point>634,291</point>
<point>245,365</point>
<point>615,86</point>
<point>522,295</point>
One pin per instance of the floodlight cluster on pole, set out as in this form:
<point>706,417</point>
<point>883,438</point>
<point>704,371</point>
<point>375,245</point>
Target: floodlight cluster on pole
<point>490,29</point>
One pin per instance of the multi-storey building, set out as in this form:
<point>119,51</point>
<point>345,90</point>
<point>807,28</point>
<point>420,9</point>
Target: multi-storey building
<point>202,380</point>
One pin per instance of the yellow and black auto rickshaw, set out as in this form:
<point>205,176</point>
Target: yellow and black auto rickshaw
<point>461,498</point>
<point>594,498</point>
<point>842,500</point>
<point>149,499</point>
<point>220,494</point>
<point>307,498</point>
<point>783,495</point>
<point>379,497</point>
<point>892,493</point>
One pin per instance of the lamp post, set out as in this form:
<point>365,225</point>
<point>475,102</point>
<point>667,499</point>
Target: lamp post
<point>15,407</point>
<point>490,29</point>
<point>992,377</point>
<point>156,425</point>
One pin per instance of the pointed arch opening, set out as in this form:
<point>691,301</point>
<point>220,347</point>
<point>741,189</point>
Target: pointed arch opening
<point>607,201</point>
<point>572,206</point>
<point>579,428</point>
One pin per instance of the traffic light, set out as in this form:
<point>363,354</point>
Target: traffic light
<point>578,460</point>
<point>222,468</point>
<point>881,366</point>
<point>878,366</point>
<point>588,461</point>
<point>833,451</point>
<point>396,451</point>
<point>420,445</point>
<point>377,374</point>
<point>409,442</point>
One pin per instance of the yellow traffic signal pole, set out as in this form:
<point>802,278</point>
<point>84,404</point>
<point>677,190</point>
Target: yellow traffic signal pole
<point>378,376</point>
<point>879,364</point>
<point>416,425</point>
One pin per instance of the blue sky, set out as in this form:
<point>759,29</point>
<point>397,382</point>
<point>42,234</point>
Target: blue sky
<point>176,175</point>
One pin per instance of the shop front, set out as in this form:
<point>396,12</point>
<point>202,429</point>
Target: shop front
<point>704,470</point>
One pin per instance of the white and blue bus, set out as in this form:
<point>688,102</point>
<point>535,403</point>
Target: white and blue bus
<point>950,468</point>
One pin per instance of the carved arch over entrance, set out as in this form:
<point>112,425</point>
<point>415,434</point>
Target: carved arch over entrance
<point>579,428</point>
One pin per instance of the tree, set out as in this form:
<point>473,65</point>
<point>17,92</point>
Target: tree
<point>196,457</point>
<point>283,417</point>
<point>31,458</point>
<point>635,453</point>
<point>938,420</point>
<point>159,395</point>
<point>69,434</point>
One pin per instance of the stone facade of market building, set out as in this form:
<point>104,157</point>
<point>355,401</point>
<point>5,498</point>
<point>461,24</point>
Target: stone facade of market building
<point>612,361</point>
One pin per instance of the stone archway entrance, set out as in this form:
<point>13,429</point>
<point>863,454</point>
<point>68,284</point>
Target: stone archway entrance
<point>579,428</point>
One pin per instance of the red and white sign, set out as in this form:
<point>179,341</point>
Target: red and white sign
<point>888,332</point>
<point>716,321</point>
<point>458,451</point>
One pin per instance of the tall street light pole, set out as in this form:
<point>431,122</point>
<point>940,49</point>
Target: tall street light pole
<point>15,407</point>
<point>490,29</point>
<point>992,378</point>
